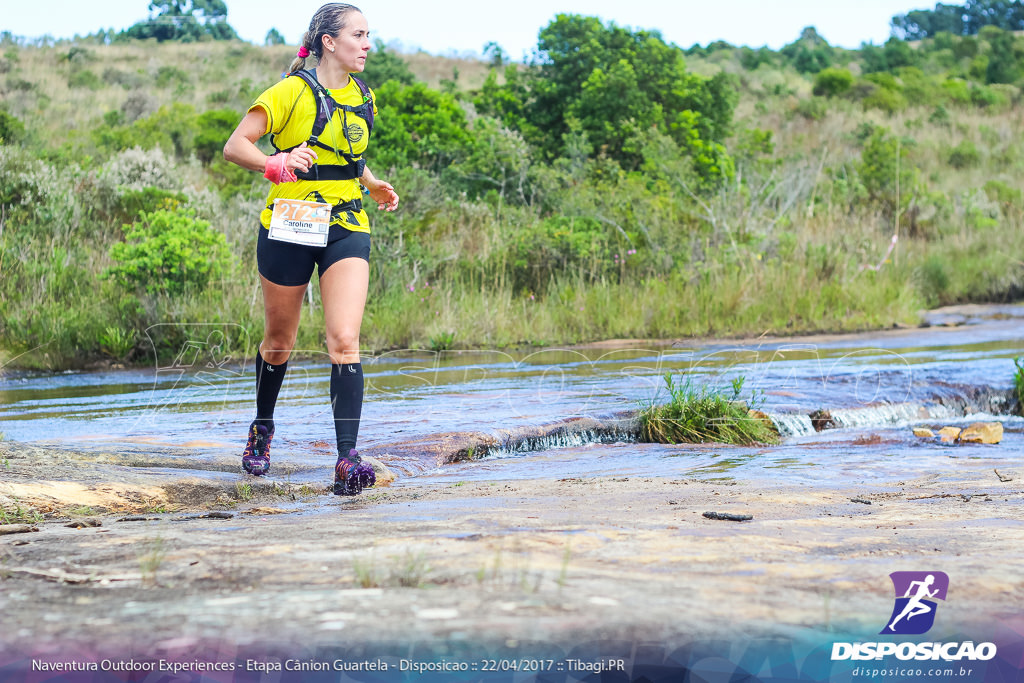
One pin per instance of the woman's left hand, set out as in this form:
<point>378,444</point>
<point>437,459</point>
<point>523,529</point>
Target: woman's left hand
<point>384,194</point>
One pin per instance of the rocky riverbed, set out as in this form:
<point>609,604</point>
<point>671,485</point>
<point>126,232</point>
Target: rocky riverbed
<point>142,561</point>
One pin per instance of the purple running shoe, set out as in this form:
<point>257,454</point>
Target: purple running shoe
<point>352,475</point>
<point>256,456</point>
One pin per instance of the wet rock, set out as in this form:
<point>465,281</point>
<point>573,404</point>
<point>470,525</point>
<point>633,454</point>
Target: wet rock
<point>983,432</point>
<point>924,433</point>
<point>385,477</point>
<point>89,522</point>
<point>265,511</point>
<point>949,434</point>
<point>822,419</point>
<point>6,529</point>
<point>763,417</point>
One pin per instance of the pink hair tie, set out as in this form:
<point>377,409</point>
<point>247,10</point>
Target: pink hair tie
<point>302,53</point>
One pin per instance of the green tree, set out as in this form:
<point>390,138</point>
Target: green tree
<point>507,101</point>
<point>1002,57</point>
<point>274,37</point>
<point>385,65</point>
<point>810,53</point>
<point>494,55</point>
<point>965,20</point>
<point>184,20</point>
<point>608,80</point>
<point>921,24</point>
<point>419,127</point>
<point>1005,14</point>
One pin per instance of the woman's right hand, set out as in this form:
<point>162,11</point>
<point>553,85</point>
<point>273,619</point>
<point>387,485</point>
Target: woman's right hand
<point>300,159</point>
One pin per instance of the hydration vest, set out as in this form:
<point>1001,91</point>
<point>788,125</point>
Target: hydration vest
<point>326,106</point>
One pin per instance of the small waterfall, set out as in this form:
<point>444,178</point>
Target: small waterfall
<point>952,402</point>
<point>792,424</point>
<point>879,415</point>
<point>574,432</point>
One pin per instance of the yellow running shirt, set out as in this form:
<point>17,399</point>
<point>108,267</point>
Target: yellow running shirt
<point>291,107</point>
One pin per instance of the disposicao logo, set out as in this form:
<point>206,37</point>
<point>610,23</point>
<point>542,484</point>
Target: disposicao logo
<point>916,593</point>
<point>914,614</point>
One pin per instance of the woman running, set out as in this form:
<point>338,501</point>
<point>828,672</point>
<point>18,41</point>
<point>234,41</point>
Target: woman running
<point>319,122</point>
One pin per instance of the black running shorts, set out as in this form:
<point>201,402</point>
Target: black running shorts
<point>287,264</point>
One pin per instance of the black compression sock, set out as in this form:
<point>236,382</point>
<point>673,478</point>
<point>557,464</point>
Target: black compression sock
<point>268,386</point>
<point>347,403</point>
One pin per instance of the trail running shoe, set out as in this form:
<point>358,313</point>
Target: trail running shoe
<point>352,475</point>
<point>256,456</point>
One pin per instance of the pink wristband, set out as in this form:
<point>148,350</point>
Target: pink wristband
<point>276,171</point>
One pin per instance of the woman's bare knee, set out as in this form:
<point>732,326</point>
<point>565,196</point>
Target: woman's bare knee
<point>277,350</point>
<point>343,347</point>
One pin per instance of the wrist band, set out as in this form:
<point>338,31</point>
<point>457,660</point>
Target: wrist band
<point>276,171</point>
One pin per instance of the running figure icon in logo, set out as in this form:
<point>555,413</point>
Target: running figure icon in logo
<point>914,611</point>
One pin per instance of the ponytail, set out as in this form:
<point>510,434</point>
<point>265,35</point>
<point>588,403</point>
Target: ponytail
<point>300,58</point>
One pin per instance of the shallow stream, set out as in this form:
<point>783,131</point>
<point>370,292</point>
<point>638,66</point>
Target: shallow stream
<point>958,369</point>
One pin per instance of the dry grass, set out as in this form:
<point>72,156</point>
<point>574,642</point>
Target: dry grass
<point>432,70</point>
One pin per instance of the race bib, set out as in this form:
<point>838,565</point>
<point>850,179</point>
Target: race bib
<point>300,222</point>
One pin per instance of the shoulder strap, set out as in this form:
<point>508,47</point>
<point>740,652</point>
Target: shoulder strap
<point>324,103</point>
<point>368,100</point>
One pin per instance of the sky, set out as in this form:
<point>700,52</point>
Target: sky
<point>464,26</point>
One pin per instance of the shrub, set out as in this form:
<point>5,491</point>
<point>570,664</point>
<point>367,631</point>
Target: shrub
<point>219,97</point>
<point>129,80</point>
<point>989,97</point>
<point>166,75</point>
<point>811,109</point>
<point>148,199</point>
<point>85,78</point>
<point>138,169</point>
<point>887,96</point>
<point>214,128</point>
<point>964,155</point>
<point>882,156</point>
<point>832,81</point>
<point>886,100</point>
<point>168,253</point>
<point>11,129</point>
<point>1006,196</point>
<point>956,91</point>
<point>940,117</point>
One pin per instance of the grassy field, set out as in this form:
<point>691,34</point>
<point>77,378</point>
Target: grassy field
<point>796,242</point>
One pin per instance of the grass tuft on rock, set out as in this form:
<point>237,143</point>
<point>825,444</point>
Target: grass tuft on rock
<point>700,414</point>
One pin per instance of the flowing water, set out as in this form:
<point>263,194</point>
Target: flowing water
<point>195,411</point>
